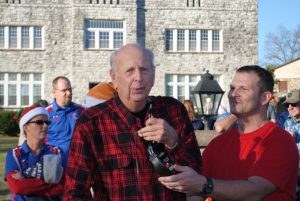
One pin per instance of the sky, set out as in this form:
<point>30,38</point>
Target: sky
<point>272,14</point>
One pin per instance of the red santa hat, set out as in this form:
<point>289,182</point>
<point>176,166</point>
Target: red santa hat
<point>30,112</point>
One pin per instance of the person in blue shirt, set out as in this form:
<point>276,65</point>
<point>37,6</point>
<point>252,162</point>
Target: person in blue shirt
<point>63,114</point>
<point>34,170</point>
<point>292,124</point>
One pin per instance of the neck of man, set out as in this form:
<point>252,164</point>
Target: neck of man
<point>250,123</point>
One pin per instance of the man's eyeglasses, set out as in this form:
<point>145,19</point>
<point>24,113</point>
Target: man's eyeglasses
<point>292,104</point>
<point>40,122</point>
<point>64,90</point>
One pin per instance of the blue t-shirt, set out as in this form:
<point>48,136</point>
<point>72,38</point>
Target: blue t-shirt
<point>29,165</point>
<point>62,125</point>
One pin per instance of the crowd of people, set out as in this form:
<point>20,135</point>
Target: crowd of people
<point>123,144</point>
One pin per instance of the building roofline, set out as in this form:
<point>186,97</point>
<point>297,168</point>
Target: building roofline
<point>287,63</point>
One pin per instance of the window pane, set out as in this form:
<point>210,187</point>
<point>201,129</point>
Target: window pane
<point>104,39</point>
<point>169,40</point>
<point>216,41</point>
<point>180,40</point>
<point>89,39</point>
<point>25,37</point>
<point>204,40</point>
<point>181,91</point>
<point>1,37</point>
<point>37,34</point>
<point>1,76</point>
<point>169,90</point>
<point>103,24</point>
<point>192,40</point>
<point>12,76</point>
<point>12,37</point>
<point>24,77</point>
<point>37,92</point>
<point>193,78</point>
<point>24,94</point>
<point>118,39</point>
<point>12,94</point>
<point>169,78</point>
<point>37,77</point>
<point>1,94</point>
<point>181,78</point>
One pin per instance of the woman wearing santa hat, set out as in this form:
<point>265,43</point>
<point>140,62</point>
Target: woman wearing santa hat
<point>34,170</point>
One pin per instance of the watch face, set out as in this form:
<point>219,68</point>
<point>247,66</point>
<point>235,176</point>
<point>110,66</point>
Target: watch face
<point>208,187</point>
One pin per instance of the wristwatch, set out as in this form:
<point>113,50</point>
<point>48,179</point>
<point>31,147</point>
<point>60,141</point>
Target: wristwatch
<point>207,188</point>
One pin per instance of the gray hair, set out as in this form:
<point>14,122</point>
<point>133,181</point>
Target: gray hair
<point>146,51</point>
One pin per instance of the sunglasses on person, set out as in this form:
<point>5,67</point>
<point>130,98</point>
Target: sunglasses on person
<point>292,104</point>
<point>40,122</point>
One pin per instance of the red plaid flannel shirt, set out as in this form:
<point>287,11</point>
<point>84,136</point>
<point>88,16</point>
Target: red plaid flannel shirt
<point>105,147</point>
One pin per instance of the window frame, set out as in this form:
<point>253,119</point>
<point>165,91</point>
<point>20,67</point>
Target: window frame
<point>202,40</point>
<point>172,82</point>
<point>13,37</point>
<point>15,80</point>
<point>114,28</point>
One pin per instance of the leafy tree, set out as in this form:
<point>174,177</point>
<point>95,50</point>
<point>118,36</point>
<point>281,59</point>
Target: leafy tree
<point>282,46</point>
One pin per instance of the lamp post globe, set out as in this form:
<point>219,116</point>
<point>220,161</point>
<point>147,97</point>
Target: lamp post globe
<point>207,96</point>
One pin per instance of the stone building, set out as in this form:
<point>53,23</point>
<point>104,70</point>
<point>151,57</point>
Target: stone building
<point>40,40</point>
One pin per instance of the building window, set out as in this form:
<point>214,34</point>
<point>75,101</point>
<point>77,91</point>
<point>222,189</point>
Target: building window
<point>181,86</point>
<point>104,39</point>
<point>169,40</point>
<point>20,89</point>
<point>25,37</point>
<point>1,37</point>
<point>12,37</point>
<point>104,34</point>
<point>180,40</point>
<point>118,39</point>
<point>215,41</point>
<point>204,40</point>
<point>193,40</point>
<point>1,94</point>
<point>37,37</point>
<point>12,94</point>
<point>90,40</point>
<point>21,37</point>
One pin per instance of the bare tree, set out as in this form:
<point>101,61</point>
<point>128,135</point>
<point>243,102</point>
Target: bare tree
<point>282,46</point>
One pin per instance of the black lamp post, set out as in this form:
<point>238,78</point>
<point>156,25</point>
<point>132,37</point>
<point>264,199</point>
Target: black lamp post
<point>207,98</point>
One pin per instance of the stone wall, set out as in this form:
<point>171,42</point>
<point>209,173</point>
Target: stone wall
<point>146,21</point>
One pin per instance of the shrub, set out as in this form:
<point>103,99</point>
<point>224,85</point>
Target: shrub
<point>8,125</point>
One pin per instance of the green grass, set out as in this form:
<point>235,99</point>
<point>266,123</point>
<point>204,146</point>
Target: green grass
<point>6,142</point>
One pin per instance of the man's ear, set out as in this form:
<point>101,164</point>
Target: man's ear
<point>113,77</point>
<point>266,97</point>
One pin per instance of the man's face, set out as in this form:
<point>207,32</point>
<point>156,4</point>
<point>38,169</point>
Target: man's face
<point>244,96</point>
<point>294,109</point>
<point>63,93</point>
<point>132,77</point>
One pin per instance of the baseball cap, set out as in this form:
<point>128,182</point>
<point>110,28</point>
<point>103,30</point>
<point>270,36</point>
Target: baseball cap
<point>293,96</point>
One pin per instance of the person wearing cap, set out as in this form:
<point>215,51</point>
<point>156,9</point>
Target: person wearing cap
<point>63,114</point>
<point>99,93</point>
<point>42,103</point>
<point>292,124</point>
<point>34,171</point>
